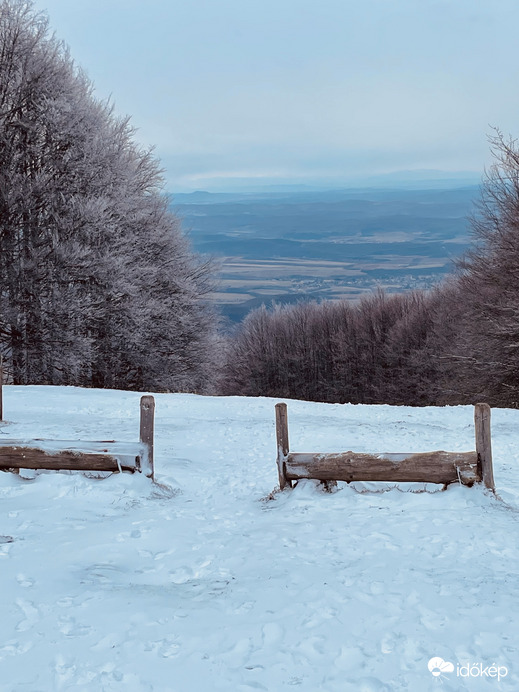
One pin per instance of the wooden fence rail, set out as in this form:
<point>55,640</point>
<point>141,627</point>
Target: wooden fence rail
<point>1,392</point>
<point>78,455</point>
<point>426,467</point>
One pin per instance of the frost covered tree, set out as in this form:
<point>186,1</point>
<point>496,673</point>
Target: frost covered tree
<point>377,351</point>
<point>98,285</point>
<point>489,283</point>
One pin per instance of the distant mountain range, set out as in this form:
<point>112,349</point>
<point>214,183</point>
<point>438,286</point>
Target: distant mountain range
<point>402,180</point>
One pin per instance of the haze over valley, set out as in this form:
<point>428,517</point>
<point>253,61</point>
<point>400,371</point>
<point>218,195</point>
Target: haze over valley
<point>287,246</point>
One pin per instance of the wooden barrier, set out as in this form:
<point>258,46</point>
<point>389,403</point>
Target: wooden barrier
<point>104,455</point>
<point>1,392</point>
<point>427,467</point>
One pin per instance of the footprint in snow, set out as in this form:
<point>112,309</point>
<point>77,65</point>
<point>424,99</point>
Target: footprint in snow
<point>71,628</point>
<point>123,537</point>
<point>14,648</point>
<point>64,670</point>
<point>319,616</point>
<point>5,547</point>
<point>238,655</point>
<point>24,581</point>
<point>166,648</point>
<point>102,573</point>
<point>312,648</point>
<point>181,575</point>
<point>31,615</point>
<point>432,620</point>
<point>388,643</point>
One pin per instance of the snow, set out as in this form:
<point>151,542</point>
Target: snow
<point>204,581</point>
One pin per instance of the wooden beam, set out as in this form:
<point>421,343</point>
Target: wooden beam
<point>115,449</point>
<point>429,467</point>
<point>146,433</point>
<point>33,458</point>
<point>484,444</point>
<point>282,444</point>
<point>78,455</point>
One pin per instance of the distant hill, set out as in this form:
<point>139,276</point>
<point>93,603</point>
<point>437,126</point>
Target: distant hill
<point>287,245</point>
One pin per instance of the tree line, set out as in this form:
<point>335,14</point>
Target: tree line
<point>455,344</point>
<point>98,284</point>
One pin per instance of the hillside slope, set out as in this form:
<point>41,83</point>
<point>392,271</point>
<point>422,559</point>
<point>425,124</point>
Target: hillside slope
<point>200,583</point>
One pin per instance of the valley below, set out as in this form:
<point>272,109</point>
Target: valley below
<point>312,245</point>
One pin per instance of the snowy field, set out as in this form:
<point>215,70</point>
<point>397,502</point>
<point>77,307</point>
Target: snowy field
<point>201,583</point>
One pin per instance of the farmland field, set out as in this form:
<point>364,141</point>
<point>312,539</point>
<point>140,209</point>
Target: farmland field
<point>286,247</point>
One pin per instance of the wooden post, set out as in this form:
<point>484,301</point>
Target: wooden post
<point>484,444</point>
<point>146,431</point>
<point>282,444</point>
<point>1,383</point>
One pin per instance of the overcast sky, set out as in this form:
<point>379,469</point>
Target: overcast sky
<point>298,91</point>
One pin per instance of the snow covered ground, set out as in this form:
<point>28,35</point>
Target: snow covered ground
<point>201,583</point>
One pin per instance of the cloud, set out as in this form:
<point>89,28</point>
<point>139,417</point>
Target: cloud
<point>226,86</point>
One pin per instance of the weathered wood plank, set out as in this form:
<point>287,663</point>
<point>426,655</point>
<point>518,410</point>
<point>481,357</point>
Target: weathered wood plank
<point>1,388</point>
<point>81,455</point>
<point>282,444</point>
<point>428,467</point>
<point>87,446</point>
<point>33,458</point>
<point>127,453</point>
<point>484,444</point>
